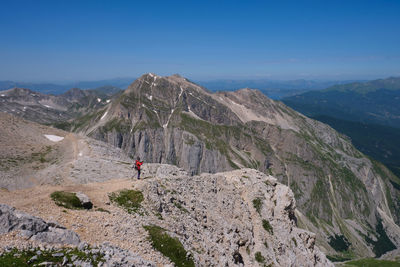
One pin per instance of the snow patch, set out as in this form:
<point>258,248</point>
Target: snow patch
<point>170,115</point>
<point>3,95</point>
<point>98,100</point>
<point>47,106</point>
<point>105,114</point>
<point>54,138</point>
<point>180,92</point>
<point>80,154</point>
<point>149,97</point>
<point>108,100</point>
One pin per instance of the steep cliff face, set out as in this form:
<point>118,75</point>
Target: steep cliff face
<point>350,201</point>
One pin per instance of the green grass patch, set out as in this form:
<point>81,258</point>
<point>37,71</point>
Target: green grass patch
<point>267,226</point>
<point>168,246</point>
<point>179,206</point>
<point>259,257</point>
<point>130,200</point>
<point>21,258</point>
<point>373,263</point>
<point>66,199</point>
<point>337,258</point>
<point>257,204</point>
<point>103,210</point>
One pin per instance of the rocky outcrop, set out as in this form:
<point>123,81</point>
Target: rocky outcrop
<point>84,199</point>
<point>35,228</point>
<point>241,217</point>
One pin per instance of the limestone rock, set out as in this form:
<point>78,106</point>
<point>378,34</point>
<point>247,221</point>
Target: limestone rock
<point>228,218</point>
<point>34,228</point>
<point>84,199</point>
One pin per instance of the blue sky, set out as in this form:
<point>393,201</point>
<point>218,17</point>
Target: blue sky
<point>91,40</point>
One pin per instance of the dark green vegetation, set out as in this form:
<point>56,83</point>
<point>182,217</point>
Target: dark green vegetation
<point>257,204</point>
<point>377,141</point>
<point>130,200</point>
<point>369,113</point>
<point>21,258</point>
<point>336,258</point>
<point>259,257</point>
<point>169,246</point>
<point>267,226</point>
<point>383,243</point>
<point>102,210</point>
<point>339,242</point>
<point>373,263</point>
<point>371,102</point>
<point>66,199</point>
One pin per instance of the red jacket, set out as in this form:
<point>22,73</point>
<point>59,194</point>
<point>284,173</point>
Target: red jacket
<point>138,164</point>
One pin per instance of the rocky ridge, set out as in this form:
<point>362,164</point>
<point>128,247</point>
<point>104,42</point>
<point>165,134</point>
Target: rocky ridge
<point>214,216</point>
<point>47,109</point>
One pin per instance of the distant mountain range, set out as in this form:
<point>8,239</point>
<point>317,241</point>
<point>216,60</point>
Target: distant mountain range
<point>272,88</point>
<point>57,89</point>
<point>368,112</point>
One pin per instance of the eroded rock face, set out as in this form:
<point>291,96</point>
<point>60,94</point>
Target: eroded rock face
<point>229,218</point>
<point>34,228</point>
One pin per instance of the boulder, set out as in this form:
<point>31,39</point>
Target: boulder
<point>84,199</point>
<point>35,228</point>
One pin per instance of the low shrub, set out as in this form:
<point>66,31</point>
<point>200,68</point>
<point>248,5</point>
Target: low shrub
<point>130,200</point>
<point>169,246</point>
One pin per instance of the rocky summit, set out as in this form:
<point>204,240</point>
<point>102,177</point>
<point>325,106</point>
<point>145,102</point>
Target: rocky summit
<point>349,200</point>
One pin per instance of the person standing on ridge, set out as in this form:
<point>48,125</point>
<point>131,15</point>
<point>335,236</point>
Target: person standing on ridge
<point>138,164</point>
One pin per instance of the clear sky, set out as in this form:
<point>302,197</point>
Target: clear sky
<point>88,40</point>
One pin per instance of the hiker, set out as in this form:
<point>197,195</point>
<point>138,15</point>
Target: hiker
<point>138,163</point>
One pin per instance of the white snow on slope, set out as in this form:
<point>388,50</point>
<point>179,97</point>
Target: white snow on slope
<point>3,95</point>
<point>170,115</point>
<point>98,100</point>
<point>54,138</point>
<point>108,100</point>
<point>102,117</point>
